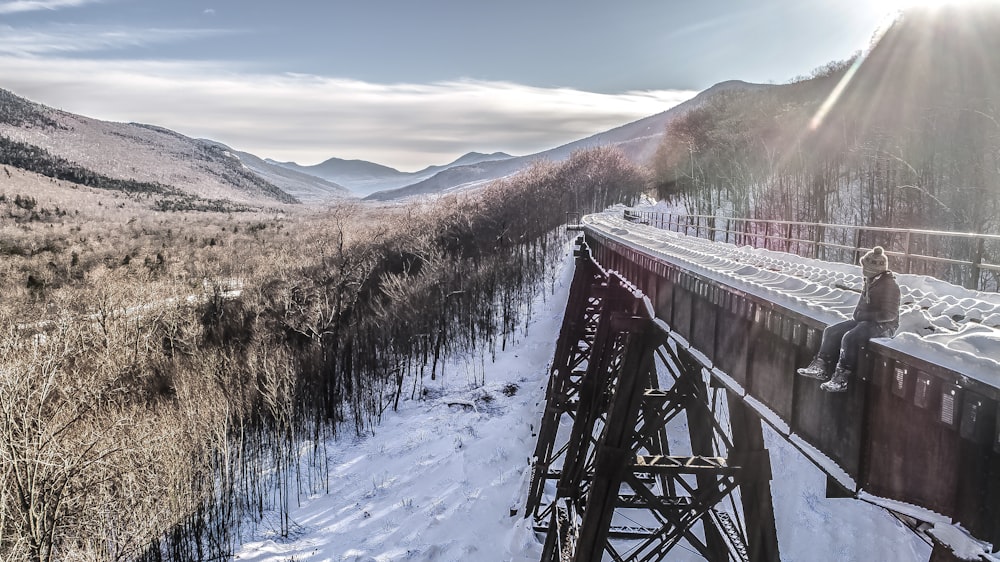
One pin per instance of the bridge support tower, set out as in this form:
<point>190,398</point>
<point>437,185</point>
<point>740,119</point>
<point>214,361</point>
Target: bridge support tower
<point>637,453</point>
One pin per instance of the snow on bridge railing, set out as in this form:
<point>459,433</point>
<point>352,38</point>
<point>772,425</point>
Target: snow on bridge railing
<point>969,259</point>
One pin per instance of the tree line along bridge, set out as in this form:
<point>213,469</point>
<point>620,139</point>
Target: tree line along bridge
<point>651,437</point>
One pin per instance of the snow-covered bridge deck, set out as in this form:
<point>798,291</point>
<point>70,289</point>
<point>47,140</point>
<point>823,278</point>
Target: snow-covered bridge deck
<point>917,430</point>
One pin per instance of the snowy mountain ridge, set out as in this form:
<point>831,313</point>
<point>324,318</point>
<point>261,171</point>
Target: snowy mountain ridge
<point>365,178</point>
<point>153,154</point>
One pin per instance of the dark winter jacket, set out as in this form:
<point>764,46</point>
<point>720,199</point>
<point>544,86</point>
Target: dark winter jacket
<point>879,300</point>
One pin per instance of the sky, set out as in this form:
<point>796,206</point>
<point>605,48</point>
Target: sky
<point>404,83</point>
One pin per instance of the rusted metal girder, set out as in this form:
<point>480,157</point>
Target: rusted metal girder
<point>573,351</point>
<point>620,491</point>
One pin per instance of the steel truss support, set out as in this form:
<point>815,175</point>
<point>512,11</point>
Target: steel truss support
<point>573,351</point>
<point>620,493</point>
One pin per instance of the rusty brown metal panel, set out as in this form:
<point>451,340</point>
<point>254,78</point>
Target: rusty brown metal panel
<point>992,501</point>
<point>681,306</point>
<point>732,345</point>
<point>977,459</point>
<point>663,305</point>
<point>703,318</point>
<point>834,422</point>
<point>771,370</point>
<point>912,456</point>
<point>650,285</point>
<point>831,422</point>
<point>807,344</point>
<point>970,510</point>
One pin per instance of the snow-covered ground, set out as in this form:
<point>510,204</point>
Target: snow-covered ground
<point>440,478</point>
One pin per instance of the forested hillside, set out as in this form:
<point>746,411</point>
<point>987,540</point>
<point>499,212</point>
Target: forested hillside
<point>905,135</point>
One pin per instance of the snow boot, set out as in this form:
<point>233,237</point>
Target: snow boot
<point>819,369</point>
<point>838,383</point>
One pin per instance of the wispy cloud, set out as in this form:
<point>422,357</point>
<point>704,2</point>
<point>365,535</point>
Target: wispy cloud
<point>70,38</point>
<point>310,118</point>
<point>18,6</point>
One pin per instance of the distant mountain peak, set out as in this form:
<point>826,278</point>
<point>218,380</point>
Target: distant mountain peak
<point>497,155</point>
<point>364,178</point>
<point>729,86</point>
<point>475,158</point>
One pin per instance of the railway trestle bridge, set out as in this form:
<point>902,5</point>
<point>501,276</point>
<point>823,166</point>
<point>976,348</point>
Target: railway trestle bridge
<point>651,437</point>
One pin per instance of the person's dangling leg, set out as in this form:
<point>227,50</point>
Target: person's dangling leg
<point>850,350</point>
<point>829,350</point>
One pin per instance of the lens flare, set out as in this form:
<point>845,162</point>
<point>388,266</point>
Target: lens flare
<point>835,94</point>
<point>831,100</point>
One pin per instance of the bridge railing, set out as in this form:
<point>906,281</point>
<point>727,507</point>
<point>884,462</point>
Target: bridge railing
<point>971,260</point>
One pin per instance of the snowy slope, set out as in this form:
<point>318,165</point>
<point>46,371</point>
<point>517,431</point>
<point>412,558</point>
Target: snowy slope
<point>148,153</point>
<point>438,480</point>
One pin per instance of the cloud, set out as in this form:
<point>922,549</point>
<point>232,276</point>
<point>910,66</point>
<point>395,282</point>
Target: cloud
<point>309,118</point>
<point>71,38</point>
<point>18,6</point>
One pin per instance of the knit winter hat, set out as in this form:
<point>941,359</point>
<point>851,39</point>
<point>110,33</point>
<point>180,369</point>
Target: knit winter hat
<point>874,262</point>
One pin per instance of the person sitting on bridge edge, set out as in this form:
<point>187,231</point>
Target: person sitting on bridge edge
<point>875,316</point>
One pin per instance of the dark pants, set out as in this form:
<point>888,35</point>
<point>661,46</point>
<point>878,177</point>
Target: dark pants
<point>844,340</point>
